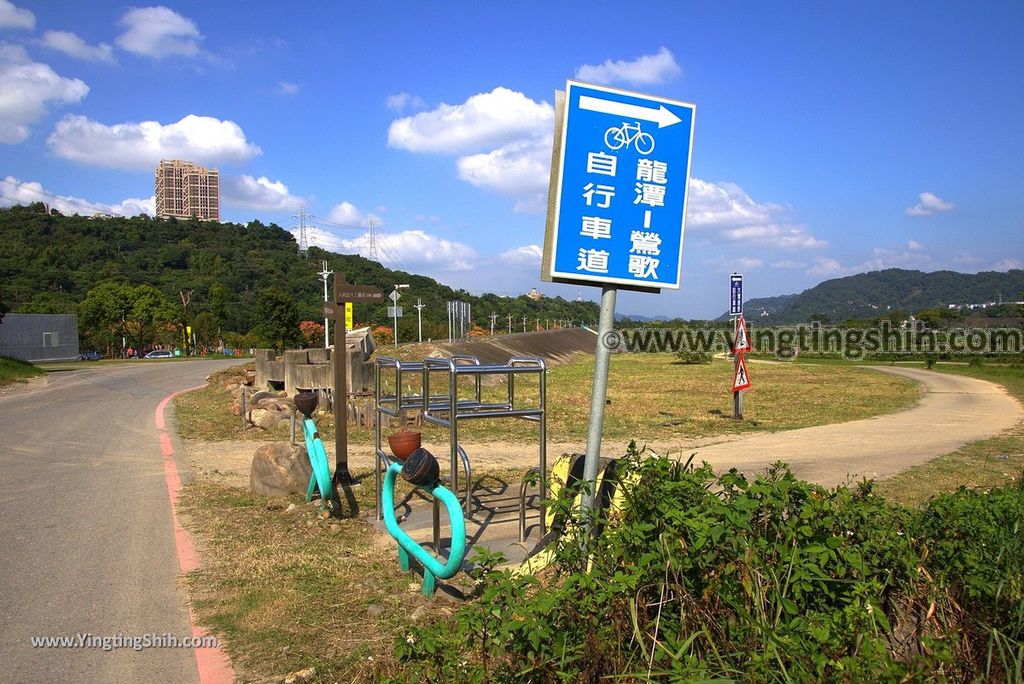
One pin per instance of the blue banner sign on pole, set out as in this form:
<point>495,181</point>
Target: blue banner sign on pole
<point>623,176</point>
<point>735,294</point>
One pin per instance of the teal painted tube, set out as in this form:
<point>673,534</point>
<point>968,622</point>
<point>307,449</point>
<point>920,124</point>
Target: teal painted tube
<point>321,477</point>
<point>432,567</point>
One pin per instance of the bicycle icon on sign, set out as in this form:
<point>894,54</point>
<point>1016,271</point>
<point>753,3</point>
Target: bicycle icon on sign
<point>625,135</point>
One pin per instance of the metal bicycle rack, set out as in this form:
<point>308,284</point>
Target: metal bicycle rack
<point>448,409</point>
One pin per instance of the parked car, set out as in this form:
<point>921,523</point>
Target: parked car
<point>159,354</point>
<point>90,356</point>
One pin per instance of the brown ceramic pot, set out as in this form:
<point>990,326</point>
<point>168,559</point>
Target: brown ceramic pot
<point>404,443</point>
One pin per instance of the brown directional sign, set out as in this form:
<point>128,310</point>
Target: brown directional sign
<point>344,292</point>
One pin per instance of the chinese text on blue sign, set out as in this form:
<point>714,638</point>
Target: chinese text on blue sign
<point>735,294</point>
<point>622,184</point>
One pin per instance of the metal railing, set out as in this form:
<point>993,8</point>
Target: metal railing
<point>448,409</point>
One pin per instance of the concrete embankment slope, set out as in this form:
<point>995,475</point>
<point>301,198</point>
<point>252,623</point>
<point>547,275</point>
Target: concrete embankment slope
<point>953,411</point>
<point>555,346</point>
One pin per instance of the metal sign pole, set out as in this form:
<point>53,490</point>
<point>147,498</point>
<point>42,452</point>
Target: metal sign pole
<point>737,397</point>
<point>341,474</point>
<point>599,394</point>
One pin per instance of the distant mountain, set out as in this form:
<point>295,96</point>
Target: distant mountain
<point>637,318</point>
<point>870,295</point>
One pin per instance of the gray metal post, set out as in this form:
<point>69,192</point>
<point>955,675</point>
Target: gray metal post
<point>737,397</point>
<point>599,394</point>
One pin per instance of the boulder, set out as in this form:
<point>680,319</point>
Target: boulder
<point>280,469</point>
<point>257,397</point>
<point>271,419</point>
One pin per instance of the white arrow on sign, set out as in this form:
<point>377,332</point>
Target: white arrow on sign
<point>661,116</point>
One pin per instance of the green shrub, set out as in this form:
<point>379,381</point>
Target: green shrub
<point>773,579</point>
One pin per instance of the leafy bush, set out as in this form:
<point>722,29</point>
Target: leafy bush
<point>693,357</point>
<point>771,580</point>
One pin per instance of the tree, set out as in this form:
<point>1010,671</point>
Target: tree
<point>279,317</point>
<point>312,333</point>
<point>116,314</point>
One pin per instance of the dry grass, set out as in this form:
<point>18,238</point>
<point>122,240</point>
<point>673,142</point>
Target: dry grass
<point>653,400</point>
<point>288,590</point>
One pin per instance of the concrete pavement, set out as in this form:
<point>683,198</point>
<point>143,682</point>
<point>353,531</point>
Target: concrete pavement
<point>85,523</point>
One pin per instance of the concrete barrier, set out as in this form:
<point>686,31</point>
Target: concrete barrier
<point>313,369</point>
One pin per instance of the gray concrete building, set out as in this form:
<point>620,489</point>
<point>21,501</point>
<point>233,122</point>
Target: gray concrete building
<point>39,337</point>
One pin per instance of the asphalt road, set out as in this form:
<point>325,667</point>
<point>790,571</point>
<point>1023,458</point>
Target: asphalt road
<point>85,524</point>
<point>953,411</point>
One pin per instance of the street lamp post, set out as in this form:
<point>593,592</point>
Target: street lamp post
<point>324,273</point>
<point>419,318</point>
<point>394,309</point>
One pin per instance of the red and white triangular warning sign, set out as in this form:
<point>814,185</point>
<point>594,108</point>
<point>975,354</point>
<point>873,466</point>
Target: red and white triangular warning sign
<point>742,341</point>
<point>741,379</point>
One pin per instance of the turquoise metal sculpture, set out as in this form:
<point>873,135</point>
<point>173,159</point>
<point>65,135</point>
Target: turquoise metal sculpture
<point>321,477</point>
<point>432,567</point>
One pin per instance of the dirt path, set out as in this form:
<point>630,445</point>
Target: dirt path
<point>953,411</point>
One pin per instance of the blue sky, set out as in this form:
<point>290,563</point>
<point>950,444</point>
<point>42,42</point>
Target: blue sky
<point>830,138</point>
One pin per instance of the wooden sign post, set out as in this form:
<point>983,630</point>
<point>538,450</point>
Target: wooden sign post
<point>344,293</point>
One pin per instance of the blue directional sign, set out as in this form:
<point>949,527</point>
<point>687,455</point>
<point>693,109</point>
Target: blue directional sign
<point>735,294</point>
<point>620,200</point>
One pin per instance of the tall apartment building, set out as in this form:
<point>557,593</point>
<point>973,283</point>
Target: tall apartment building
<point>184,190</point>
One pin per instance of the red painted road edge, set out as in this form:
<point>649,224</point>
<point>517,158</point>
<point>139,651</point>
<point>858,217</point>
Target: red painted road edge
<point>213,663</point>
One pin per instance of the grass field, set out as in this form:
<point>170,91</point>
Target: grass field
<point>16,370</point>
<point>652,399</point>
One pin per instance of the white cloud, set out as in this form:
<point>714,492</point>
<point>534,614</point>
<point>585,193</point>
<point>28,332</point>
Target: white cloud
<point>73,46</point>
<point>786,263</point>
<point>728,212</point>
<point>257,193</point>
<point>482,122</point>
<point>824,266</point>
<point>882,258</point>
<point>724,264</point>
<point>966,259</point>
<point>409,249</point>
<point>1008,264</point>
<point>158,32</point>
<point>202,139</point>
<point>26,89</point>
<point>929,204</point>
<point>527,255</point>
<point>14,191</point>
<point>286,88</point>
<point>645,70</point>
<point>520,169</point>
<point>16,17</point>
<point>404,102</point>
<point>914,245</point>
<point>348,215</point>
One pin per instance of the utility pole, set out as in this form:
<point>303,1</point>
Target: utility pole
<point>524,323</point>
<point>324,273</point>
<point>494,317</point>
<point>419,318</point>
<point>510,324</point>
